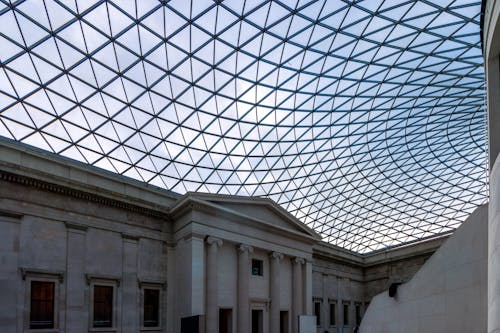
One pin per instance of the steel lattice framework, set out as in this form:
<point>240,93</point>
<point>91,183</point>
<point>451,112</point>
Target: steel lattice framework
<point>365,119</point>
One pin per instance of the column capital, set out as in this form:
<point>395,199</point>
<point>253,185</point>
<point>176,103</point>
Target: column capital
<point>276,255</point>
<point>214,241</point>
<point>245,248</point>
<point>298,260</point>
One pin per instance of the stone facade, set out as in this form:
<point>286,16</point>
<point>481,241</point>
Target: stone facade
<point>238,259</point>
<point>491,52</point>
<point>344,282</point>
<point>448,294</point>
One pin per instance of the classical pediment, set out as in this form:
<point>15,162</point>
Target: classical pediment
<point>258,210</point>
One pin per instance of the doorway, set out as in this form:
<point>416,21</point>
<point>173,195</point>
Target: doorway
<point>225,320</point>
<point>284,322</point>
<point>257,321</point>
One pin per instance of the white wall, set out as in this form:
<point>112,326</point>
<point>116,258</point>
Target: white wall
<point>491,51</point>
<point>448,294</point>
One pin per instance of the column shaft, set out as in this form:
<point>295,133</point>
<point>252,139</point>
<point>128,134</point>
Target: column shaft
<point>275,281</point>
<point>77,313</point>
<point>212,291</point>
<point>297,291</point>
<point>307,283</point>
<point>243,288</point>
<point>128,286</point>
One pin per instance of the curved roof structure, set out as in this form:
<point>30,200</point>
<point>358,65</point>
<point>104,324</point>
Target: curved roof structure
<point>365,119</point>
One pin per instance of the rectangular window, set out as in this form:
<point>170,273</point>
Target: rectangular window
<point>317,313</point>
<point>103,306</point>
<point>151,308</point>
<point>257,321</point>
<point>225,320</point>
<point>257,267</point>
<point>284,322</point>
<point>333,314</point>
<point>346,314</point>
<point>42,305</point>
<point>358,314</point>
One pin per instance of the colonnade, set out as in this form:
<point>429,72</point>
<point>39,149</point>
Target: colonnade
<point>300,280</point>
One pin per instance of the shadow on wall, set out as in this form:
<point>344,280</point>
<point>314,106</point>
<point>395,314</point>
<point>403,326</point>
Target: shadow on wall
<point>448,294</point>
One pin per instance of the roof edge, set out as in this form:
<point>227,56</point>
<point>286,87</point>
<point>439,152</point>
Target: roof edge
<point>25,160</point>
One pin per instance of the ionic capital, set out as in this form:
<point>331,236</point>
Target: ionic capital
<point>299,261</point>
<point>214,241</point>
<point>276,255</point>
<point>245,248</point>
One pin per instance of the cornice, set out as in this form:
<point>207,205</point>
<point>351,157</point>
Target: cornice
<point>217,199</point>
<point>10,214</point>
<point>79,194</point>
<point>37,272</point>
<point>418,249</point>
<point>194,203</point>
<point>77,227</point>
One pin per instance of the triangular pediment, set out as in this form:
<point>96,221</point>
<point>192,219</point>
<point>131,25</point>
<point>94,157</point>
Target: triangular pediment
<point>260,212</point>
<point>257,209</point>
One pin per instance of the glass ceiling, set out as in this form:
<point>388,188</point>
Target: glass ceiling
<point>365,119</point>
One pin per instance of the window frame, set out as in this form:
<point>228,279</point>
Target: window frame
<point>346,314</point>
<point>231,318</point>
<point>106,282</point>
<point>44,302</point>
<point>358,312</point>
<point>332,303</point>
<point>318,317</point>
<point>41,276</point>
<point>261,264</point>
<point>155,286</point>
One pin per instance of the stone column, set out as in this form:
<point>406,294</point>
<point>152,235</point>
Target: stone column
<point>340,301</point>
<point>297,291</point>
<point>77,310</point>
<point>307,283</point>
<point>275,281</point>
<point>212,294</point>
<point>130,324</point>
<point>171,289</point>
<point>190,277</point>
<point>243,288</point>
<point>325,314</point>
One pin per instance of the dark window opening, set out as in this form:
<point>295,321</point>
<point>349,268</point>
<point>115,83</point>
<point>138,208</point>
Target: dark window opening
<point>333,314</point>
<point>317,313</point>
<point>257,267</point>
<point>283,321</point>
<point>358,314</point>
<point>225,320</point>
<point>346,314</point>
<point>42,305</point>
<point>151,308</point>
<point>103,306</point>
<point>257,321</point>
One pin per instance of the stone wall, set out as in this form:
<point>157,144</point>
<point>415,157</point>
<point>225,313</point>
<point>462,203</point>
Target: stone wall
<point>377,277</point>
<point>337,284</point>
<point>341,279</point>
<point>74,242</point>
<point>58,223</point>
<point>491,51</point>
<point>448,294</point>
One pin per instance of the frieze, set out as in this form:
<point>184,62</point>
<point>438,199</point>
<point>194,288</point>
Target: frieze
<point>79,194</point>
